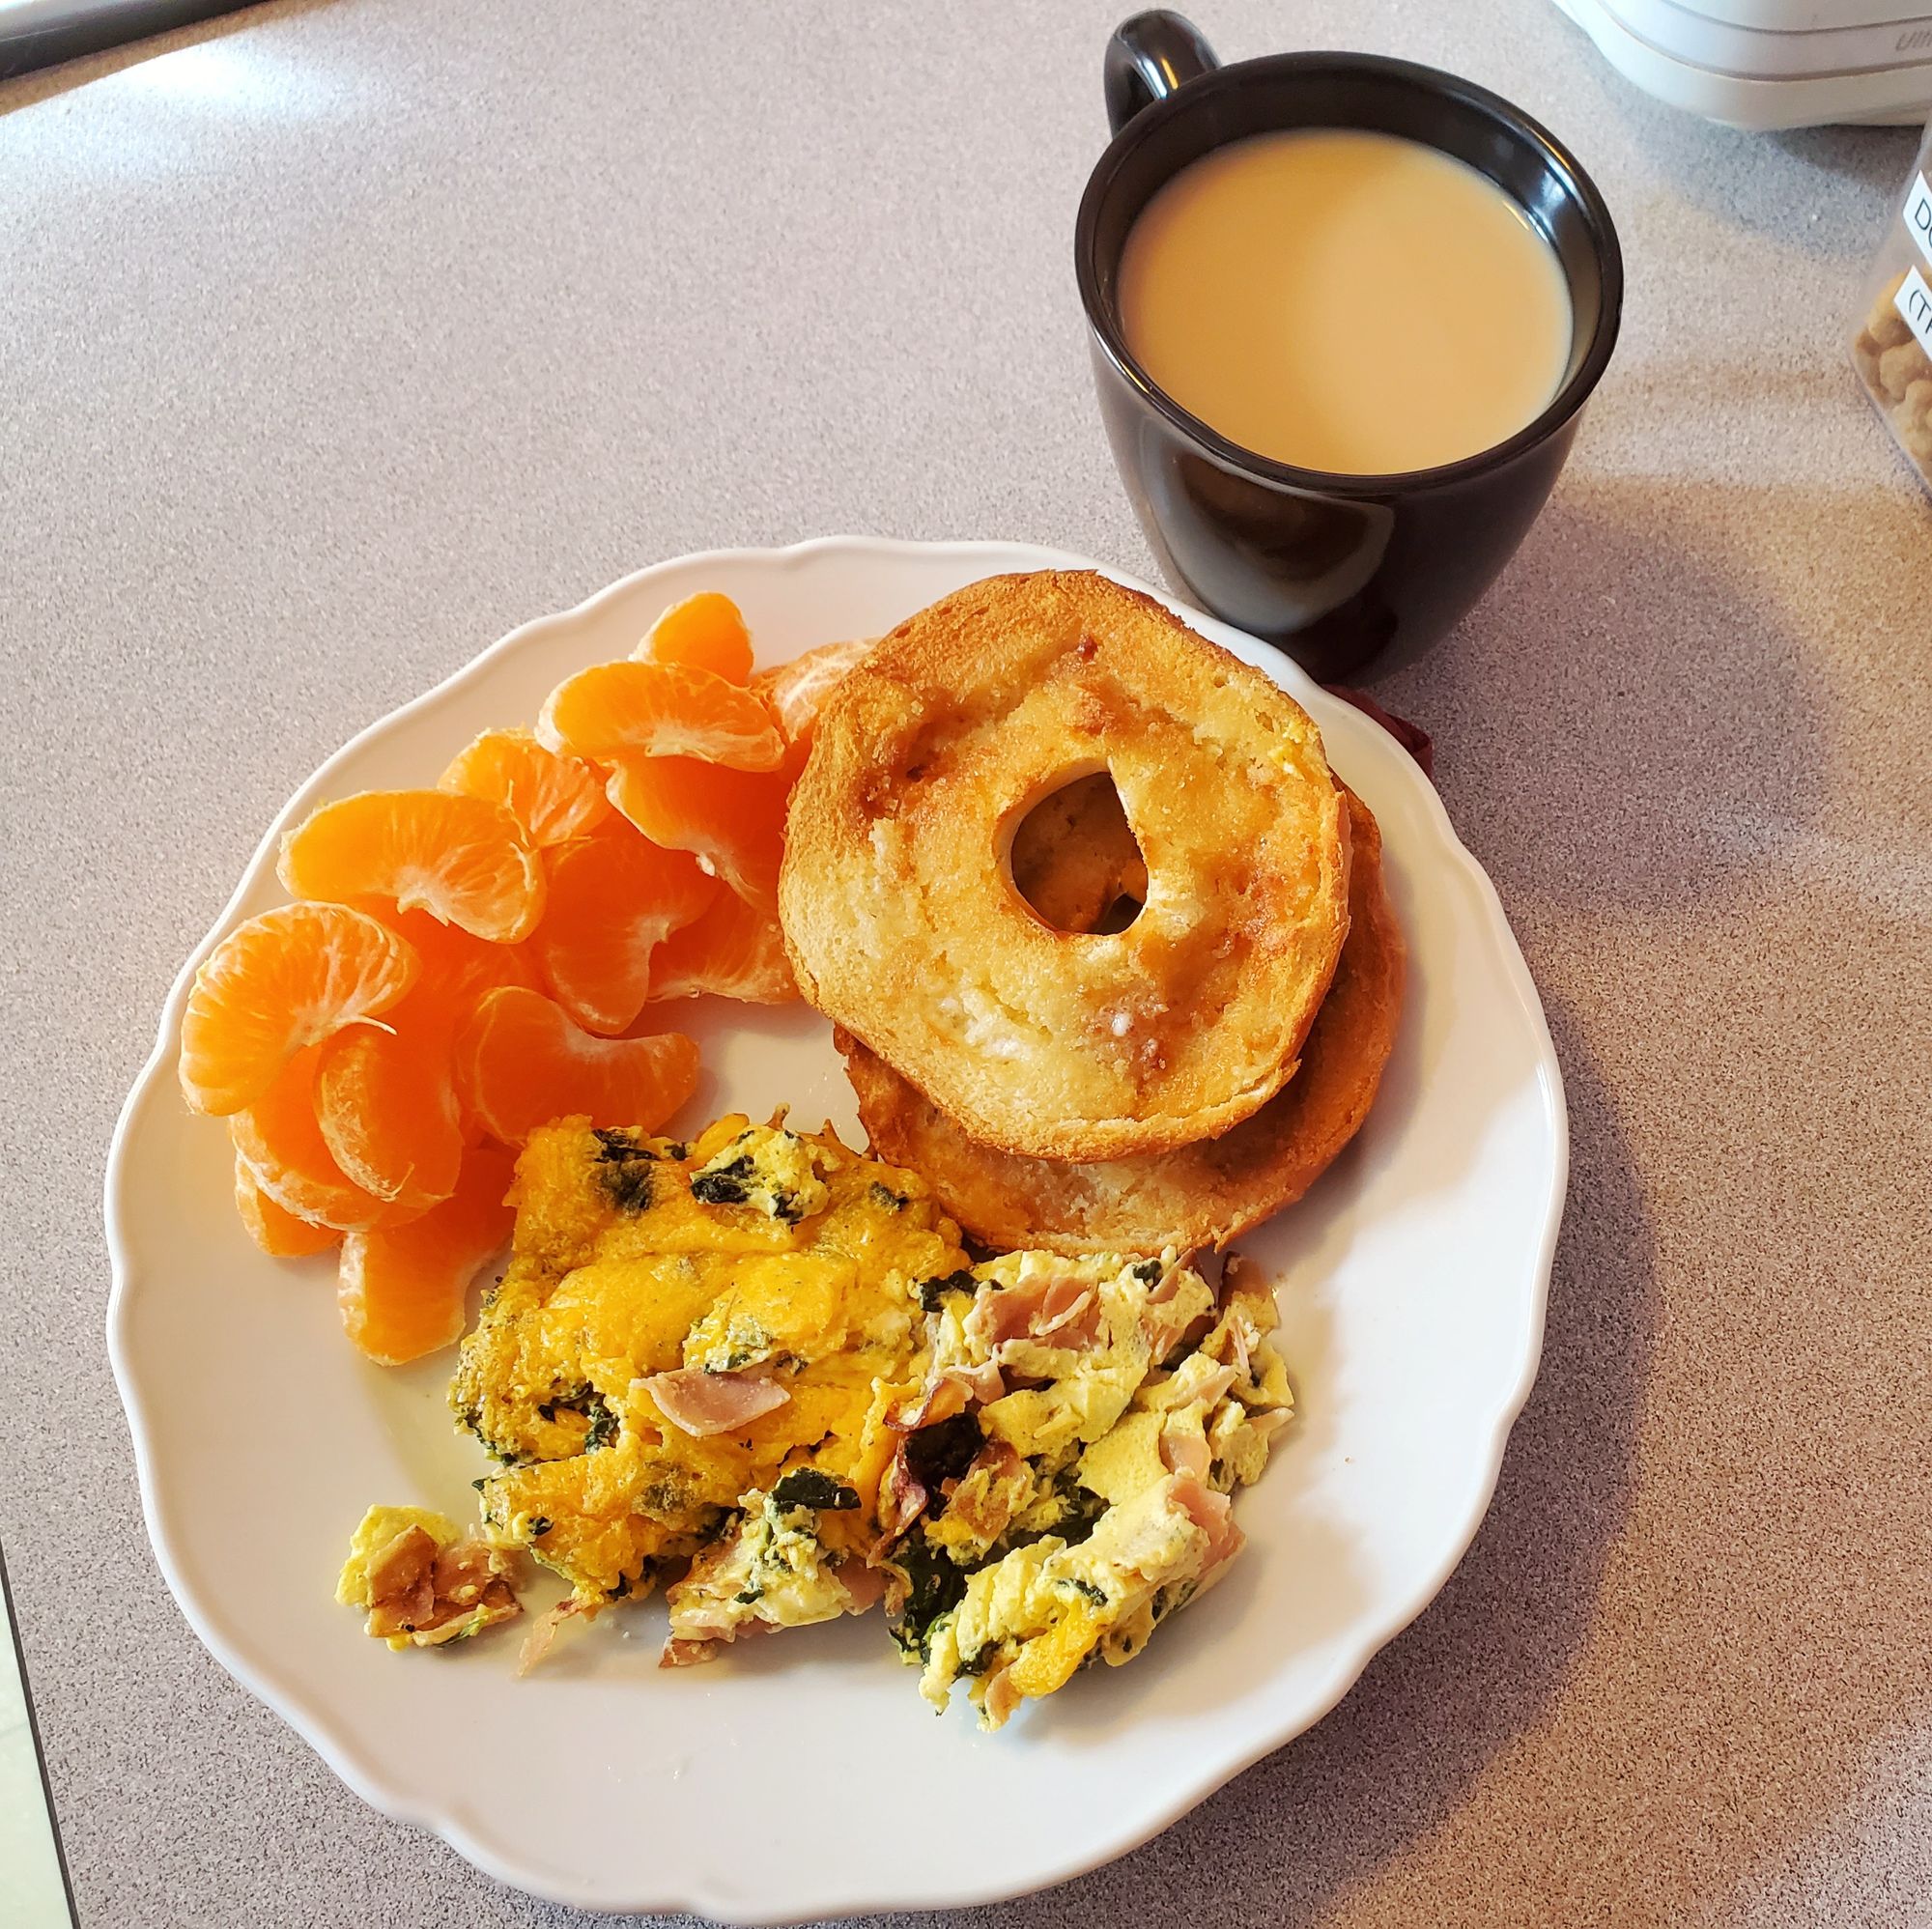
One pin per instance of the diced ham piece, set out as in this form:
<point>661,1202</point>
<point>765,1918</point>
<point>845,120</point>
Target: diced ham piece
<point>1165,1286</point>
<point>1209,1390</point>
<point>1000,1698</point>
<point>1036,1309</point>
<point>982,1383</point>
<point>940,1401</point>
<point>1238,1341</point>
<point>949,1392</point>
<point>434,1593</point>
<point>1164,1330</point>
<point>687,1654</point>
<point>402,1563</point>
<point>465,1568</point>
<point>696,1612</point>
<point>703,1404</point>
<point>862,1585</point>
<point>1185,1453</point>
<point>402,1584</point>
<point>900,1502</point>
<point>1075,1323</point>
<point>542,1632</point>
<point>1241,1275</point>
<point>1213,1513</point>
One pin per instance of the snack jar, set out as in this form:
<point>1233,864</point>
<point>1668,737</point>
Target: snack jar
<point>1892,349</point>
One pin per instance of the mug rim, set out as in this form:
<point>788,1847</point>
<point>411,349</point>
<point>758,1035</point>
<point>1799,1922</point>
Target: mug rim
<point>1523,128</point>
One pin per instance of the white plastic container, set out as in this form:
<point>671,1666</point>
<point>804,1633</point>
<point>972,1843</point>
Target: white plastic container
<point>1892,349</point>
<point>1764,64</point>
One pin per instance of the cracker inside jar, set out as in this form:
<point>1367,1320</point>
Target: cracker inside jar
<point>1898,372</point>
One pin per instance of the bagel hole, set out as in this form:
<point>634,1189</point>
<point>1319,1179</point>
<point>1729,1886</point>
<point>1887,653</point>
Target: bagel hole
<point>1075,862</point>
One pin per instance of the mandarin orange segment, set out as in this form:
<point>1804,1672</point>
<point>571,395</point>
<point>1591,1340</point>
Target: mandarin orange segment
<point>464,859</point>
<point>734,950</point>
<point>280,1140</point>
<point>614,900</point>
<point>522,1062</point>
<point>278,983</point>
<point>280,1234</point>
<point>705,631</point>
<point>386,1107</point>
<point>553,798</point>
<point>457,969</point>
<point>797,690</point>
<point>660,710</point>
<point>732,821</point>
<point>402,1290</point>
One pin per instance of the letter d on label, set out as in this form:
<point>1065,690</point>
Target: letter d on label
<point>1918,216</point>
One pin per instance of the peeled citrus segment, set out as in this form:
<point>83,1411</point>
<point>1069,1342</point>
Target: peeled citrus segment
<point>797,690</point>
<point>732,821</point>
<point>402,1290</point>
<point>660,710</point>
<point>276,984</point>
<point>464,859</point>
<point>457,969</point>
<point>614,900</point>
<point>522,1062</point>
<point>705,631</point>
<point>555,797</point>
<point>280,1234</point>
<point>279,1139</point>
<point>386,1107</point>
<point>734,950</point>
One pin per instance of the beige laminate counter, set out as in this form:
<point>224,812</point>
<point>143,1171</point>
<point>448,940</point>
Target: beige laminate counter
<point>356,331</point>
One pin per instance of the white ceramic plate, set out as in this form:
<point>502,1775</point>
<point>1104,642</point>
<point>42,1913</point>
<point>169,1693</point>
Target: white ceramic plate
<point>798,1777</point>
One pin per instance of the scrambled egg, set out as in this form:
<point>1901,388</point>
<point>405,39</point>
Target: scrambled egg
<point>761,1370</point>
<point>692,1355</point>
<point>422,1583</point>
<point>1086,1505</point>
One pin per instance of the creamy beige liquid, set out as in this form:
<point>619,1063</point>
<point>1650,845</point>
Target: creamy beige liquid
<point>1346,300</point>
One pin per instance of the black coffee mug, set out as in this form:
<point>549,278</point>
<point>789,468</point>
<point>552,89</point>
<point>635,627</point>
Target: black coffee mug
<point>1346,573</point>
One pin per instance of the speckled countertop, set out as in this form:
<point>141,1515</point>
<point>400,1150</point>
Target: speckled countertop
<point>351,333</point>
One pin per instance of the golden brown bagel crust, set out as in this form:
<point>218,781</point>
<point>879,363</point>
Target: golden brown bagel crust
<point>898,906</point>
<point>1199,1195</point>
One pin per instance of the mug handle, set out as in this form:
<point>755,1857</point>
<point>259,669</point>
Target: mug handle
<point>1149,57</point>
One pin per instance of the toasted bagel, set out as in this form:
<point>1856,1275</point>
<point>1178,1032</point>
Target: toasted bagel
<point>896,895</point>
<point>1199,1195</point>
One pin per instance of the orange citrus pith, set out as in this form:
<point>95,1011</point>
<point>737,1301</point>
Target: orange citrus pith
<point>463,859</point>
<point>280,1234</point>
<point>469,962</point>
<point>660,710</point>
<point>615,899</point>
<point>555,797</point>
<point>732,820</point>
<point>705,631</point>
<point>522,1062</point>
<point>402,1290</point>
<point>734,950</point>
<point>797,690</point>
<point>282,981</point>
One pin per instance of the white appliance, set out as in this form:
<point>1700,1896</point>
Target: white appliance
<point>1771,63</point>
